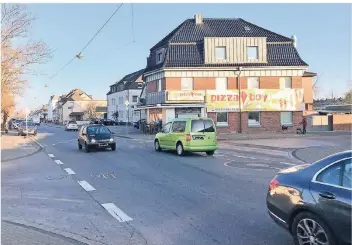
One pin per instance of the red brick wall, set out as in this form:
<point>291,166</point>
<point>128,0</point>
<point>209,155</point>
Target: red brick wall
<point>173,83</point>
<point>269,122</point>
<point>203,83</point>
<point>269,82</point>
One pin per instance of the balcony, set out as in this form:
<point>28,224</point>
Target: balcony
<point>175,96</point>
<point>154,98</point>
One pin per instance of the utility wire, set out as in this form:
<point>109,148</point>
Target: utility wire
<point>132,22</point>
<point>79,54</point>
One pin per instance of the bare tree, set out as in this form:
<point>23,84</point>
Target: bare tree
<point>316,87</point>
<point>348,96</point>
<point>17,61</point>
<point>91,111</point>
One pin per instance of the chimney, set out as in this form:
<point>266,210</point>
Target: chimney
<point>294,40</point>
<point>198,18</point>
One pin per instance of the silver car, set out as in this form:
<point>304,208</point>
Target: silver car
<point>28,128</point>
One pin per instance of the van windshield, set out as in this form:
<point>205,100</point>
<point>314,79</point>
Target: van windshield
<point>202,126</point>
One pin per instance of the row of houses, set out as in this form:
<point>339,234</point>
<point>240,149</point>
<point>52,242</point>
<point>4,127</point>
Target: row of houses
<point>245,77</point>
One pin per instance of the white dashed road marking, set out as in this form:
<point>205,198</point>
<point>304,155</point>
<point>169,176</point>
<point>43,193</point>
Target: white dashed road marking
<point>51,155</point>
<point>243,156</point>
<point>59,162</point>
<point>69,171</point>
<point>116,212</point>
<point>85,185</point>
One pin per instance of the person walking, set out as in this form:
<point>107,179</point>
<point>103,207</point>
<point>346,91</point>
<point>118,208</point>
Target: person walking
<point>304,124</point>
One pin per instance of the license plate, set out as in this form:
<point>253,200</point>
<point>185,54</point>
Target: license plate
<point>103,144</point>
<point>198,137</point>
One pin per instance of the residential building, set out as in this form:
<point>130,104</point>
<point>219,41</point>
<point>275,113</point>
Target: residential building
<point>245,77</point>
<point>124,96</point>
<point>51,106</point>
<point>79,106</point>
<point>39,115</point>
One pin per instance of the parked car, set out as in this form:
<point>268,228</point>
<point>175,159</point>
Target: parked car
<point>96,121</point>
<point>71,125</point>
<point>138,123</point>
<point>96,136</point>
<point>313,201</point>
<point>28,128</point>
<point>109,122</point>
<point>17,122</point>
<point>188,134</point>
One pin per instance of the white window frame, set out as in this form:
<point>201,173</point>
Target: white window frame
<point>283,82</point>
<point>257,53</point>
<point>159,83</point>
<point>284,123</point>
<point>222,123</point>
<point>254,125</point>
<point>187,79</point>
<point>252,79</point>
<point>221,80</point>
<point>218,48</point>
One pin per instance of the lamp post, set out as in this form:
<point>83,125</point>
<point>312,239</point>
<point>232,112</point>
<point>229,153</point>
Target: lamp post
<point>239,97</point>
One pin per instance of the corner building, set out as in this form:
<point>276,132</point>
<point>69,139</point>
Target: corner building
<point>246,78</point>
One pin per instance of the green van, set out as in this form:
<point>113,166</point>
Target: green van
<point>188,134</point>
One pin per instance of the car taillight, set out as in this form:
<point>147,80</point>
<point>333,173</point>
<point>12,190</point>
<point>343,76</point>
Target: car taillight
<point>188,137</point>
<point>273,184</point>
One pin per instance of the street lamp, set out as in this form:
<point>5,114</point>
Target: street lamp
<point>239,97</point>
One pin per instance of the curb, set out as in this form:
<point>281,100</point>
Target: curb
<point>28,155</point>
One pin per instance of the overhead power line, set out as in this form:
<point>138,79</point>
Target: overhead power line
<point>132,22</point>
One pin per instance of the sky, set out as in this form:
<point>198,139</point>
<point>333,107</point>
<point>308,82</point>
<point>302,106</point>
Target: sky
<point>323,41</point>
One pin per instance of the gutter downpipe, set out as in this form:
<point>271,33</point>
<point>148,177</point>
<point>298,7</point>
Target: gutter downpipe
<point>239,97</point>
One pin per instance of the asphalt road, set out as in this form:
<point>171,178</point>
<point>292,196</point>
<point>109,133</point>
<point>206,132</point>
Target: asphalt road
<point>138,196</point>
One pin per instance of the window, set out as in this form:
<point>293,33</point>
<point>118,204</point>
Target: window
<point>197,126</point>
<point>221,118</point>
<point>140,85</point>
<point>209,126</point>
<point>134,98</point>
<point>285,82</point>
<point>167,127</point>
<point>178,126</point>
<point>331,175</point>
<point>159,56</point>
<point>286,118</point>
<point>220,53</point>
<point>221,83</point>
<point>253,82</point>
<point>254,119</point>
<point>347,174</point>
<point>159,85</point>
<point>252,52</point>
<point>186,83</point>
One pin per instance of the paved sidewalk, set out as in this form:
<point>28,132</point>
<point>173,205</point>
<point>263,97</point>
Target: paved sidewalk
<point>315,153</point>
<point>16,234</point>
<point>14,147</point>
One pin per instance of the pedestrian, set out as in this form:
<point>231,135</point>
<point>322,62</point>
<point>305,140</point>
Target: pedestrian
<point>304,124</point>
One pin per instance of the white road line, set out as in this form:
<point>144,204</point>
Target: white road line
<point>51,155</point>
<point>116,212</point>
<point>59,162</point>
<point>69,171</point>
<point>286,163</point>
<point>85,185</point>
<point>243,156</point>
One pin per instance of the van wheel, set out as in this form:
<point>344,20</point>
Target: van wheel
<point>210,153</point>
<point>179,149</point>
<point>309,227</point>
<point>86,147</point>
<point>157,145</point>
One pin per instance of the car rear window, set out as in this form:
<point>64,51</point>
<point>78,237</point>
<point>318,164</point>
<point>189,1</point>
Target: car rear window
<point>202,126</point>
<point>74,122</point>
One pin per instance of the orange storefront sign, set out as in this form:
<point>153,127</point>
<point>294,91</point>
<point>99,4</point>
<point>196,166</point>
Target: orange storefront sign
<point>255,100</point>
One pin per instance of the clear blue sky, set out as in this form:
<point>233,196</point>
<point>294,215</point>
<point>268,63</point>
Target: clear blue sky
<point>323,32</point>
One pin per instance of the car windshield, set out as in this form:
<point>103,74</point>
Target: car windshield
<point>97,130</point>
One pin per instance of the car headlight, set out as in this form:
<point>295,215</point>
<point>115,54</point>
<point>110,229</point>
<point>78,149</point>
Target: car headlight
<point>93,141</point>
<point>111,140</point>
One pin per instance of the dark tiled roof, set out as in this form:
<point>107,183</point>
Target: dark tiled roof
<point>189,31</point>
<point>129,81</point>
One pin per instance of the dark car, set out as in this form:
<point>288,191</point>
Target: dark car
<point>109,122</point>
<point>96,121</point>
<point>313,201</point>
<point>95,136</point>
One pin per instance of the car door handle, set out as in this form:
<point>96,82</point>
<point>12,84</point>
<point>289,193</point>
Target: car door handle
<point>327,195</point>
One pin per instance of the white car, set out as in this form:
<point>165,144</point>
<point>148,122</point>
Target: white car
<point>71,126</point>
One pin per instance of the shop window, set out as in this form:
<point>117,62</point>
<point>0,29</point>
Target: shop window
<point>222,118</point>
<point>285,82</point>
<point>253,82</point>
<point>220,53</point>
<point>221,83</point>
<point>178,126</point>
<point>252,52</point>
<point>286,118</point>
<point>186,83</point>
<point>254,119</point>
<point>134,98</point>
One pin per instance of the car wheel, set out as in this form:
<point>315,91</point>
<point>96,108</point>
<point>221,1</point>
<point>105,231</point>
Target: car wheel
<point>79,146</point>
<point>307,228</point>
<point>113,148</point>
<point>86,147</point>
<point>157,145</point>
<point>210,153</point>
<point>179,149</point>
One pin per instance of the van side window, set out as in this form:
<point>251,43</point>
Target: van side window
<point>179,126</point>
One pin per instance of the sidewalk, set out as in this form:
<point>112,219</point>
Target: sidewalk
<point>14,147</point>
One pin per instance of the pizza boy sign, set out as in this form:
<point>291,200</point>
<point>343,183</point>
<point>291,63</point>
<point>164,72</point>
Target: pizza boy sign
<point>255,100</point>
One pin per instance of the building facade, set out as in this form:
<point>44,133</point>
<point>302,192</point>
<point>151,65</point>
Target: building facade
<point>124,96</point>
<point>246,78</point>
<point>51,106</point>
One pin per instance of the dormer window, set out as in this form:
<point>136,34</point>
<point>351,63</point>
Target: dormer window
<point>160,56</point>
<point>220,53</point>
<point>140,85</point>
<point>252,52</point>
